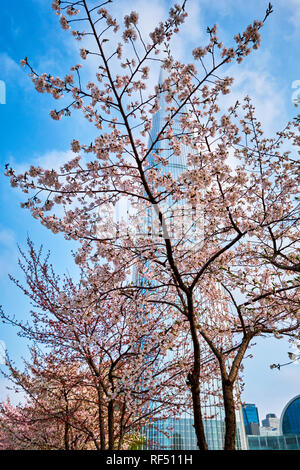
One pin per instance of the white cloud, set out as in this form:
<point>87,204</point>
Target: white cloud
<point>8,251</point>
<point>53,159</point>
<point>8,65</point>
<point>12,72</point>
<point>293,6</point>
<point>265,92</point>
<point>190,32</point>
<point>50,160</point>
<point>7,237</point>
<point>150,12</point>
<point>2,352</point>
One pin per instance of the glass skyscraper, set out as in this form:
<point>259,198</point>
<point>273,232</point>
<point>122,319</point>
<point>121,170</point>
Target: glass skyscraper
<point>250,413</point>
<point>251,419</point>
<point>178,433</point>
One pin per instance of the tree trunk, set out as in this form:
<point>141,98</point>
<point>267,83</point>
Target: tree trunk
<point>194,380</point>
<point>228,382</point>
<point>198,420</point>
<point>111,425</point>
<point>66,427</point>
<point>230,417</point>
<point>101,419</point>
<point>66,436</point>
<point>121,426</point>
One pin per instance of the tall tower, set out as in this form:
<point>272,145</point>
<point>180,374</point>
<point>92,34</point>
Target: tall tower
<point>178,433</point>
<point>251,418</point>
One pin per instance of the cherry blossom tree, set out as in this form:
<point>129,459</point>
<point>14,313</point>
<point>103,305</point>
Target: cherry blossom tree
<point>105,371</point>
<point>242,208</point>
<point>252,303</point>
<point>251,291</point>
<point>59,412</point>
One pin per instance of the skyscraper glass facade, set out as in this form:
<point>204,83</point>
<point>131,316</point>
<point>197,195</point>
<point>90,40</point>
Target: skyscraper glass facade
<point>251,418</point>
<point>179,433</point>
<point>250,413</point>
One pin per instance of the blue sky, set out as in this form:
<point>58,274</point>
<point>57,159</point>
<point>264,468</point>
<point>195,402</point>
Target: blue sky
<point>29,135</point>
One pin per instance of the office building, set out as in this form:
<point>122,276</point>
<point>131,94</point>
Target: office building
<point>271,421</point>
<point>270,425</point>
<point>251,418</point>
<point>179,433</point>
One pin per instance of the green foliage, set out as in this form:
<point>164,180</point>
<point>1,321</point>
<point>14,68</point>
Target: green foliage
<point>137,442</point>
